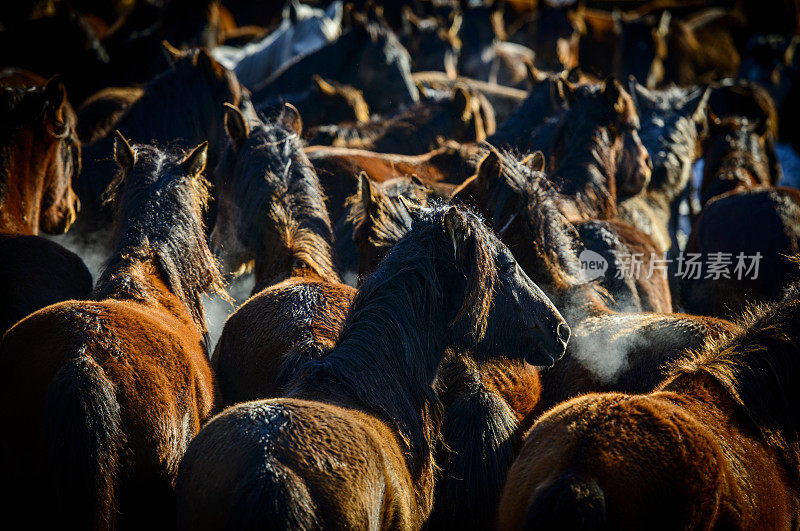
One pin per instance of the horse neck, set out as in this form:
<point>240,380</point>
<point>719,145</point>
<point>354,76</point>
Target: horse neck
<point>302,254</point>
<point>586,171</point>
<point>139,280</point>
<point>21,189</point>
<point>388,357</point>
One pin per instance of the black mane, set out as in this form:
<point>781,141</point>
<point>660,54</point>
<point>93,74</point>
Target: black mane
<point>388,356</point>
<point>159,220</point>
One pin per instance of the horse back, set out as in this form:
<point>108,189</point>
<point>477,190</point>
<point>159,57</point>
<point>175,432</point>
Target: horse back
<point>297,320</point>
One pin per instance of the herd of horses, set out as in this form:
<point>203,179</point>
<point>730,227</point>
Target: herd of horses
<point>412,187</point>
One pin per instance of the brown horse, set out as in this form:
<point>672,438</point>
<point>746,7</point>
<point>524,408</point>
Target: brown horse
<point>735,157</point>
<point>338,168</point>
<point>608,350</point>
<point>419,129</point>
<point>715,446</point>
<point>272,215</point>
<point>39,153</point>
<point>104,395</point>
<point>352,444</point>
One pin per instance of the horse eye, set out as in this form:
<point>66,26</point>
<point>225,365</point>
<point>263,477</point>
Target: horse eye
<point>505,263</point>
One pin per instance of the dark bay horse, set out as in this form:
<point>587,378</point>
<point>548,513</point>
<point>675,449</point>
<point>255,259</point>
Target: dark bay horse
<point>673,125</point>
<point>735,157</point>
<point>715,446</point>
<point>423,127</point>
<point>272,218</point>
<point>104,395</point>
<point>325,102</point>
<point>763,222</point>
<point>182,106</point>
<point>39,155</point>
<point>352,443</point>
<point>368,56</point>
<point>483,403</point>
<point>338,168</point>
<point>608,350</point>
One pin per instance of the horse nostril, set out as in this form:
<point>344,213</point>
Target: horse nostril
<point>563,332</point>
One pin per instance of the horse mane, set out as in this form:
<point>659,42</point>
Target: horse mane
<point>388,218</point>
<point>159,220</point>
<point>551,235</point>
<point>275,177</point>
<point>388,355</point>
<point>758,367</point>
<point>585,169</point>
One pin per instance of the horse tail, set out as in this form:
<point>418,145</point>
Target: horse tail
<point>479,431</point>
<point>82,443</point>
<point>570,502</point>
<point>275,497</point>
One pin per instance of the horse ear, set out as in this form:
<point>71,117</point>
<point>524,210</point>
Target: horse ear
<point>195,162</point>
<point>123,152</point>
<point>562,92</point>
<point>290,119</point>
<point>365,190</point>
<point>323,86</point>
<point>696,106</point>
<point>455,227</point>
<point>489,169</point>
<point>535,161</point>
<point>292,12</point>
<point>334,12</point>
<point>235,125</point>
<point>612,91</point>
<point>788,54</point>
<point>171,53</point>
<point>534,75</point>
<point>207,64</point>
<point>662,30</point>
<point>462,103</point>
<point>56,98</point>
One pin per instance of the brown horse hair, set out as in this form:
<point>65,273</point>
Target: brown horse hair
<point>504,177</point>
<point>758,368</point>
<point>379,217</point>
<point>163,228</point>
<point>735,157</point>
<point>275,184</point>
<point>41,109</point>
<point>583,165</point>
<point>407,284</point>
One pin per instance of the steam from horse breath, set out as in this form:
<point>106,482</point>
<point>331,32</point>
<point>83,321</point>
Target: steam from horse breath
<point>94,251</point>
